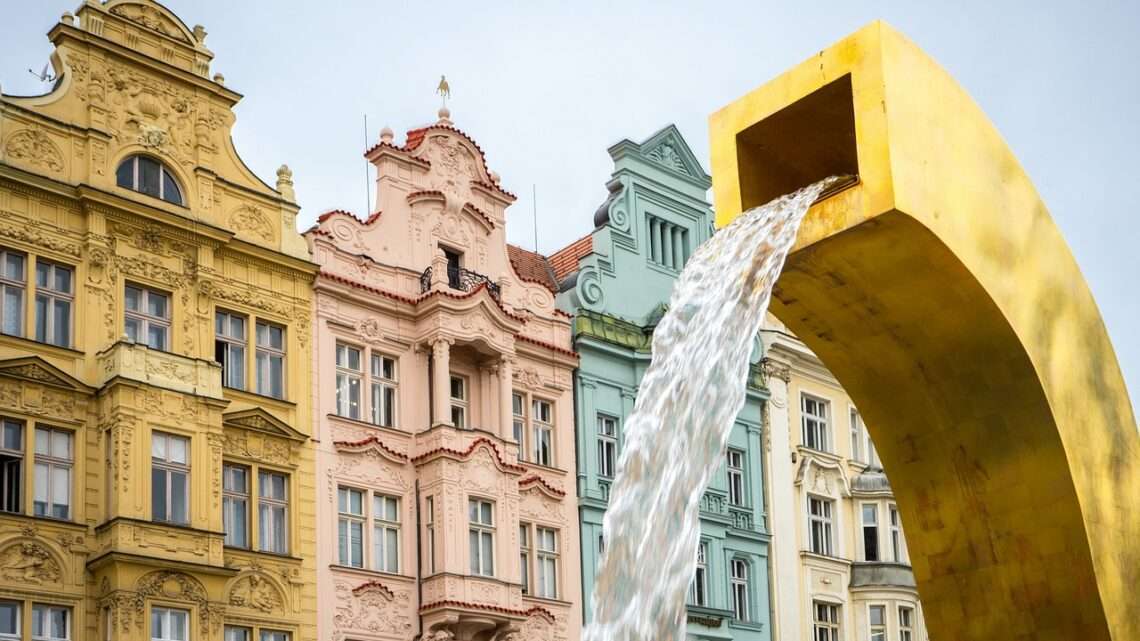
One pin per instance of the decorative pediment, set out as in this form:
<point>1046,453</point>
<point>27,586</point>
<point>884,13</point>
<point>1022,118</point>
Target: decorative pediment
<point>373,445</point>
<point>537,483</point>
<point>823,477</point>
<point>154,17</point>
<point>38,370</point>
<point>260,420</point>
<point>463,455</point>
<point>668,149</point>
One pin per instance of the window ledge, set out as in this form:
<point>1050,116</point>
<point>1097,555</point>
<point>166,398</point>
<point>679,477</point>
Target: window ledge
<point>543,599</point>
<point>230,549</point>
<point>25,343</point>
<point>69,523</point>
<point>746,625</point>
<point>371,573</point>
<point>256,398</point>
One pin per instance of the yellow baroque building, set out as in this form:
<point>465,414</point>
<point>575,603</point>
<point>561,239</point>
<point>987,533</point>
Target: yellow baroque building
<point>156,470</point>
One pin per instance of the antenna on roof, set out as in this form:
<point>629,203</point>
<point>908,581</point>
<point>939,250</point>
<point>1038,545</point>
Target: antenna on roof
<point>45,75</point>
<point>367,177</point>
<point>534,210</point>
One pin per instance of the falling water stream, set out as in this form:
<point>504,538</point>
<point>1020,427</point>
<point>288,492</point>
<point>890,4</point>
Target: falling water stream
<point>676,436</point>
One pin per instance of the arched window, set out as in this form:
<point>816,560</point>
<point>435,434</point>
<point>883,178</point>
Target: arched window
<point>148,176</point>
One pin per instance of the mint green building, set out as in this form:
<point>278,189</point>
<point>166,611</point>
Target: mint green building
<point>616,282</point>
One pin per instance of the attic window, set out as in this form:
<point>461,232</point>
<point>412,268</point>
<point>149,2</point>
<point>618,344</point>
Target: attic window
<point>668,243</point>
<point>148,176</point>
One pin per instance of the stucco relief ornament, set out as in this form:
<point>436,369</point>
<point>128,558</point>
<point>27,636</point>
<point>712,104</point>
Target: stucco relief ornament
<point>149,17</point>
<point>255,592</point>
<point>29,563</point>
<point>369,330</point>
<point>35,148</point>
<point>253,221</point>
<point>668,156</point>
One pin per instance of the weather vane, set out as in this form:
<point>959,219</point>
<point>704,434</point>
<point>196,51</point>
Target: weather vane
<point>444,89</point>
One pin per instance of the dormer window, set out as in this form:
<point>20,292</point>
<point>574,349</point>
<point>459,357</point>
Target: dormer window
<point>148,176</point>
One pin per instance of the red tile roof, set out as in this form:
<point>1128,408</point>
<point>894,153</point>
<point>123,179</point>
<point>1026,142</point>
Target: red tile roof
<point>533,267</point>
<point>565,260</point>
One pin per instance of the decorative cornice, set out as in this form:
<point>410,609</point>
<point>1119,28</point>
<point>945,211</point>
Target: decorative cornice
<point>466,454</point>
<point>373,586</point>
<point>554,348</point>
<point>371,444</point>
<point>531,611</point>
<point>545,487</point>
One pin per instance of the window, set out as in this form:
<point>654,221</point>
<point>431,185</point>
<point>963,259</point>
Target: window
<point>870,532</point>
<point>877,620</point>
<point>525,550</point>
<point>668,243</point>
<point>350,527</point>
<point>546,540</point>
<point>429,524</point>
<point>170,478</point>
<point>234,633</point>
<point>607,446</point>
<point>9,621</point>
<point>53,473</point>
<point>862,449</point>
<point>274,635</point>
<point>699,590</point>
<point>453,268</point>
<point>270,359</point>
<point>825,621</point>
<point>12,284</point>
<point>383,390</point>
<point>148,317</point>
<point>148,176</point>
<point>273,512</point>
<point>168,624</point>
<point>735,463</point>
<point>459,402</point>
<point>814,415</point>
<point>739,575</point>
<point>819,519</point>
<point>235,505</point>
<point>348,377</point>
<point>906,624</point>
<point>896,534</point>
<point>50,623</point>
<point>386,533</point>
<point>54,298</point>
<point>542,417</point>
<point>11,466</point>
<point>229,348</point>
<point>518,422</point>
<point>481,536</point>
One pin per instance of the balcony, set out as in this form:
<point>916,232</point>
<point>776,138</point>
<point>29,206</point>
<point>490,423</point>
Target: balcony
<point>881,575</point>
<point>463,280</point>
<point>177,373</point>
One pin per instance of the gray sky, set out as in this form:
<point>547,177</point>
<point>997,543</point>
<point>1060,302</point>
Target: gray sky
<point>545,87</point>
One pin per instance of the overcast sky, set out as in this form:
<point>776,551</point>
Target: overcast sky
<point>545,87</point>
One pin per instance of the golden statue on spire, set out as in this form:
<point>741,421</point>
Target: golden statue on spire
<point>444,89</point>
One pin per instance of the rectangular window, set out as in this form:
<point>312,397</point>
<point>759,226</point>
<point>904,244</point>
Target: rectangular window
<point>9,621</point>
<point>518,422</point>
<point>814,413</point>
<point>459,402</point>
<point>235,505</point>
<point>55,298</point>
<point>12,286</point>
<point>542,429</point>
<point>607,446</point>
<point>546,543</point>
<point>735,464</point>
<point>429,524</point>
<point>274,635</point>
<point>668,243</point>
<point>148,317</point>
<point>386,533</point>
<point>481,536</point>
<point>877,620</point>
<point>273,512</point>
<point>53,473</point>
<point>819,519</point>
<point>348,377</point>
<point>50,623</point>
<point>350,527</point>
<point>856,436</point>
<point>229,348</point>
<point>896,534</point>
<point>170,478</point>
<point>383,390</point>
<point>168,624</point>
<point>825,621</point>
<point>699,589</point>
<point>740,590</point>
<point>11,466</point>
<point>525,550</point>
<point>454,259</point>
<point>870,532</point>
<point>234,633</point>
<point>906,624</point>
<point>270,359</point>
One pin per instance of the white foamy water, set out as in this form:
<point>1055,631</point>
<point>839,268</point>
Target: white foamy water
<point>675,438</point>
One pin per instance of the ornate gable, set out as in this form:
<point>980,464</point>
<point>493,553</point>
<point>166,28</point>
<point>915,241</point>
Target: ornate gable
<point>38,370</point>
<point>668,149</point>
<point>260,420</point>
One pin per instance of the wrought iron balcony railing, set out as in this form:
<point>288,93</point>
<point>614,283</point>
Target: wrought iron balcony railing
<point>463,280</point>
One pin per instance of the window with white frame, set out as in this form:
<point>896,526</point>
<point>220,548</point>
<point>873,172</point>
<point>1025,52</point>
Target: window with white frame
<point>699,588</point>
<point>862,449</point>
<point>607,445</point>
<point>877,622</point>
<point>273,512</point>
<point>51,623</point>
<point>350,527</point>
<point>269,359</point>
<point>169,624</point>
<point>11,466</point>
<point>814,416</point>
<point>53,473</point>
<point>825,621</point>
<point>738,573</point>
<point>870,514</point>
<point>481,536</point>
<point>734,460</point>
<point>385,533</point>
<point>55,298</point>
<point>9,621</point>
<point>518,422</point>
<point>897,553</point>
<point>542,432</point>
<point>235,505</point>
<point>148,176</point>
<point>820,525</point>
<point>429,525</point>
<point>229,348</point>
<point>546,562</point>
<point>383,389</point>
<point>170,478</point>
<point>12,287</point>
<point>525,550</point>
<point>348,381</point>
<point>274,635</point>
<point>236,633</point>
<point>459,402</point>
<point>147,317</point>
<point>906,623</point>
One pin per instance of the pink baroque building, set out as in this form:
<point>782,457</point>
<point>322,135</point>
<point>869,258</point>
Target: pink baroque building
<point>446,498</point>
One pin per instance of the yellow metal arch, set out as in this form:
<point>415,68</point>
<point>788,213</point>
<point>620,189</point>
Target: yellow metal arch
<point>939,291</point>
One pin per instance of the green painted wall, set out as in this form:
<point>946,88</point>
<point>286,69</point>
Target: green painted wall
<point>617,295</point>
